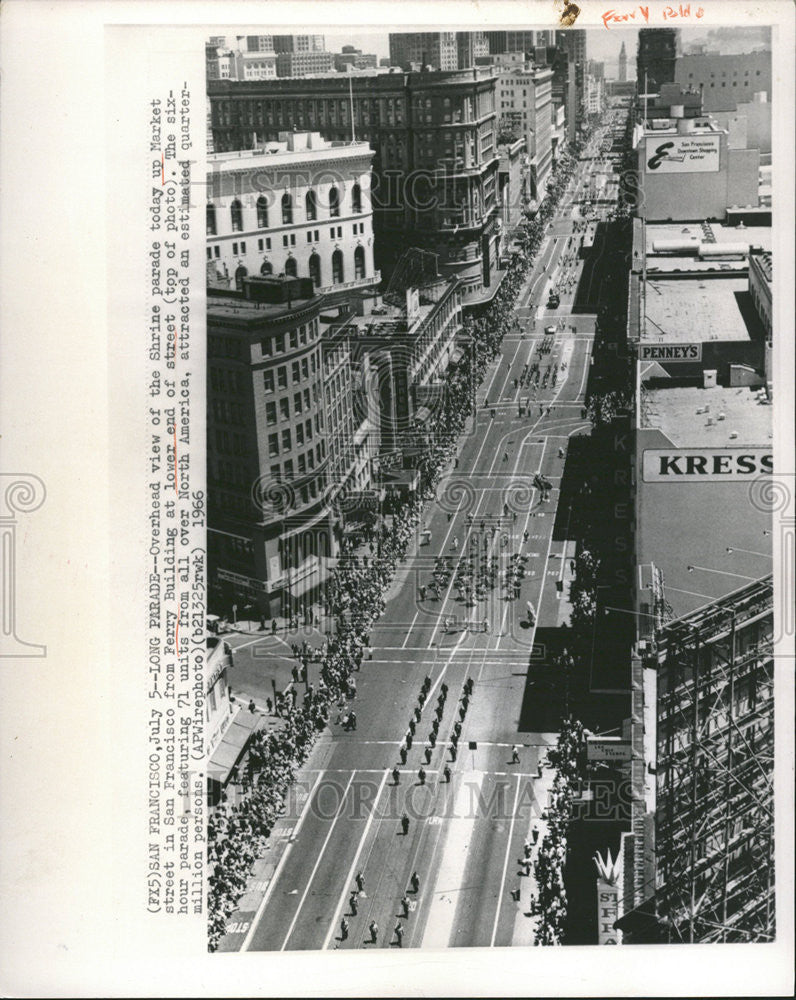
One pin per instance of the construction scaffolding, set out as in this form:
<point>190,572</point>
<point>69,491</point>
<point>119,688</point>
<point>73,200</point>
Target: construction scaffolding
<point>714,818</point>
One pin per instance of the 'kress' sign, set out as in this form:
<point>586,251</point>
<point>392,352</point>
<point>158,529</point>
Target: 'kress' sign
<point>670,352</point>
<point>705,465</point>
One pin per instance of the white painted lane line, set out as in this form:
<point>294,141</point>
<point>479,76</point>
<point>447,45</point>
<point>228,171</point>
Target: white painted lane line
<point>346,886</point>
<point>318,861</point>
<point>278,870</point>
<point>450,874</point>
<point>409,630</point>
<point>505,864</point>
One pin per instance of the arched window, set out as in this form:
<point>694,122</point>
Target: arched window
<point>315,269</point>
<point>311,206</point>
<point>334,202</point>
<point>287,209</point>
<point>337,267</point>
<point>290,267</point>
<point>240,274</point>
<point>236,216</point>
<point>262,212</point>
<point>356,198</point>
<point>266,267</point>
<point>211,219</point>
<point>359,262</point>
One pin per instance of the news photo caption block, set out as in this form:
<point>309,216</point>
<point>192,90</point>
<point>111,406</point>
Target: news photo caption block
<point>176,561</point>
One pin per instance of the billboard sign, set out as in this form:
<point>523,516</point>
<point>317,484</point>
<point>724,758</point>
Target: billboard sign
<point>682,154</point>
<point>705,465</point>
<point>670,352</point>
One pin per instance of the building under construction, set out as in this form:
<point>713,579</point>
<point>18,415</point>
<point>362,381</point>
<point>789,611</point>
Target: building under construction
<point>703,856</point>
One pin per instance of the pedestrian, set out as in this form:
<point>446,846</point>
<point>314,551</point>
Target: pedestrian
<point>427,755</point>
<point>421,774</point>
<point>405,905</point>
<point>447,773</point>
<point>405,824</point>
<point>515,755</point>
<point>414,881</point>
<point>374,931</point>
<point>399,933</point>
<point>535,833</point>
<point>273,626</point>
<point>344,929</point>
<point>396,776</point>
<point>252,706</point>
<point>360,881</point>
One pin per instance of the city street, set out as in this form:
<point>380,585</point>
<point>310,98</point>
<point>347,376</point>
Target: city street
<point>465,835</point>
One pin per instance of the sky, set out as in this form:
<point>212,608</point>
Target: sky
<point>600,45</point>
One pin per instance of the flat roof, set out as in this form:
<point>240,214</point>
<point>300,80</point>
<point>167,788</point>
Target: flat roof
<point>247,309</point>
<point>694,309</point>
<point>759,236</point>
<point>676,413</point>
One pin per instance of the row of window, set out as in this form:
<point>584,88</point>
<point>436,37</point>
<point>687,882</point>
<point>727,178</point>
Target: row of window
<point>263,207</point>
<point>226,412</point>
<point>314,267</point>
<point>306,460</point>
<point>303,433</point>
<point>299,370</point>
<point>222,380</point>
<point>301,403</point>
<point>300,337</point>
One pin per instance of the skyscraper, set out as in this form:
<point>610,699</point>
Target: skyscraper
<point>656,57</point>
<point>622,64</point>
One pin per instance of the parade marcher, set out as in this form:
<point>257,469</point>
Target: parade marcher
<point>432,739</point>
<point>405,824</point>
<point>374,931</point>
<point>399,933</point>
<point>344,929</point>
<point>453,752</point>
<point>412,727</point>
<point>405,905</point>
<point>427,755</point>
<point>360,881</point>
<point>396,776</point>
<point>421,774</point>
<point>447,773</point>
<point>408,739</point>
<point>402,753</point>
<point>414,881</point>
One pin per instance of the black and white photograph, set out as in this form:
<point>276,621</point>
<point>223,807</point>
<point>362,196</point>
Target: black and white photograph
<point>490,497</point>
<point>397,498</point>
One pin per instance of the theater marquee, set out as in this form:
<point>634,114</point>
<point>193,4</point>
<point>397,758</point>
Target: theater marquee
<point>705,465</point>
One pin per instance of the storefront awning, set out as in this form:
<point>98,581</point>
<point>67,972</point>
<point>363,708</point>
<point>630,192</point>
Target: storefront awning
<point>230,749</point>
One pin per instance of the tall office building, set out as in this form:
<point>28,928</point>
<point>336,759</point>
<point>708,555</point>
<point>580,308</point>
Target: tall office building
<point>437,49</point>
<point>623,64</point>
<point>470,45</point>
<point>299,43</point>
<point>656,57</point>
<point>436,159</point>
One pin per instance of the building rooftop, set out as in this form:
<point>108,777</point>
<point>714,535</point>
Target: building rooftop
<point>227,307</point>
<point>759,236</point>
<point>693,523</point>
<point>680,414</point>
<point>765,262</point>
<point>291,146</point>
<point>695,309</point>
